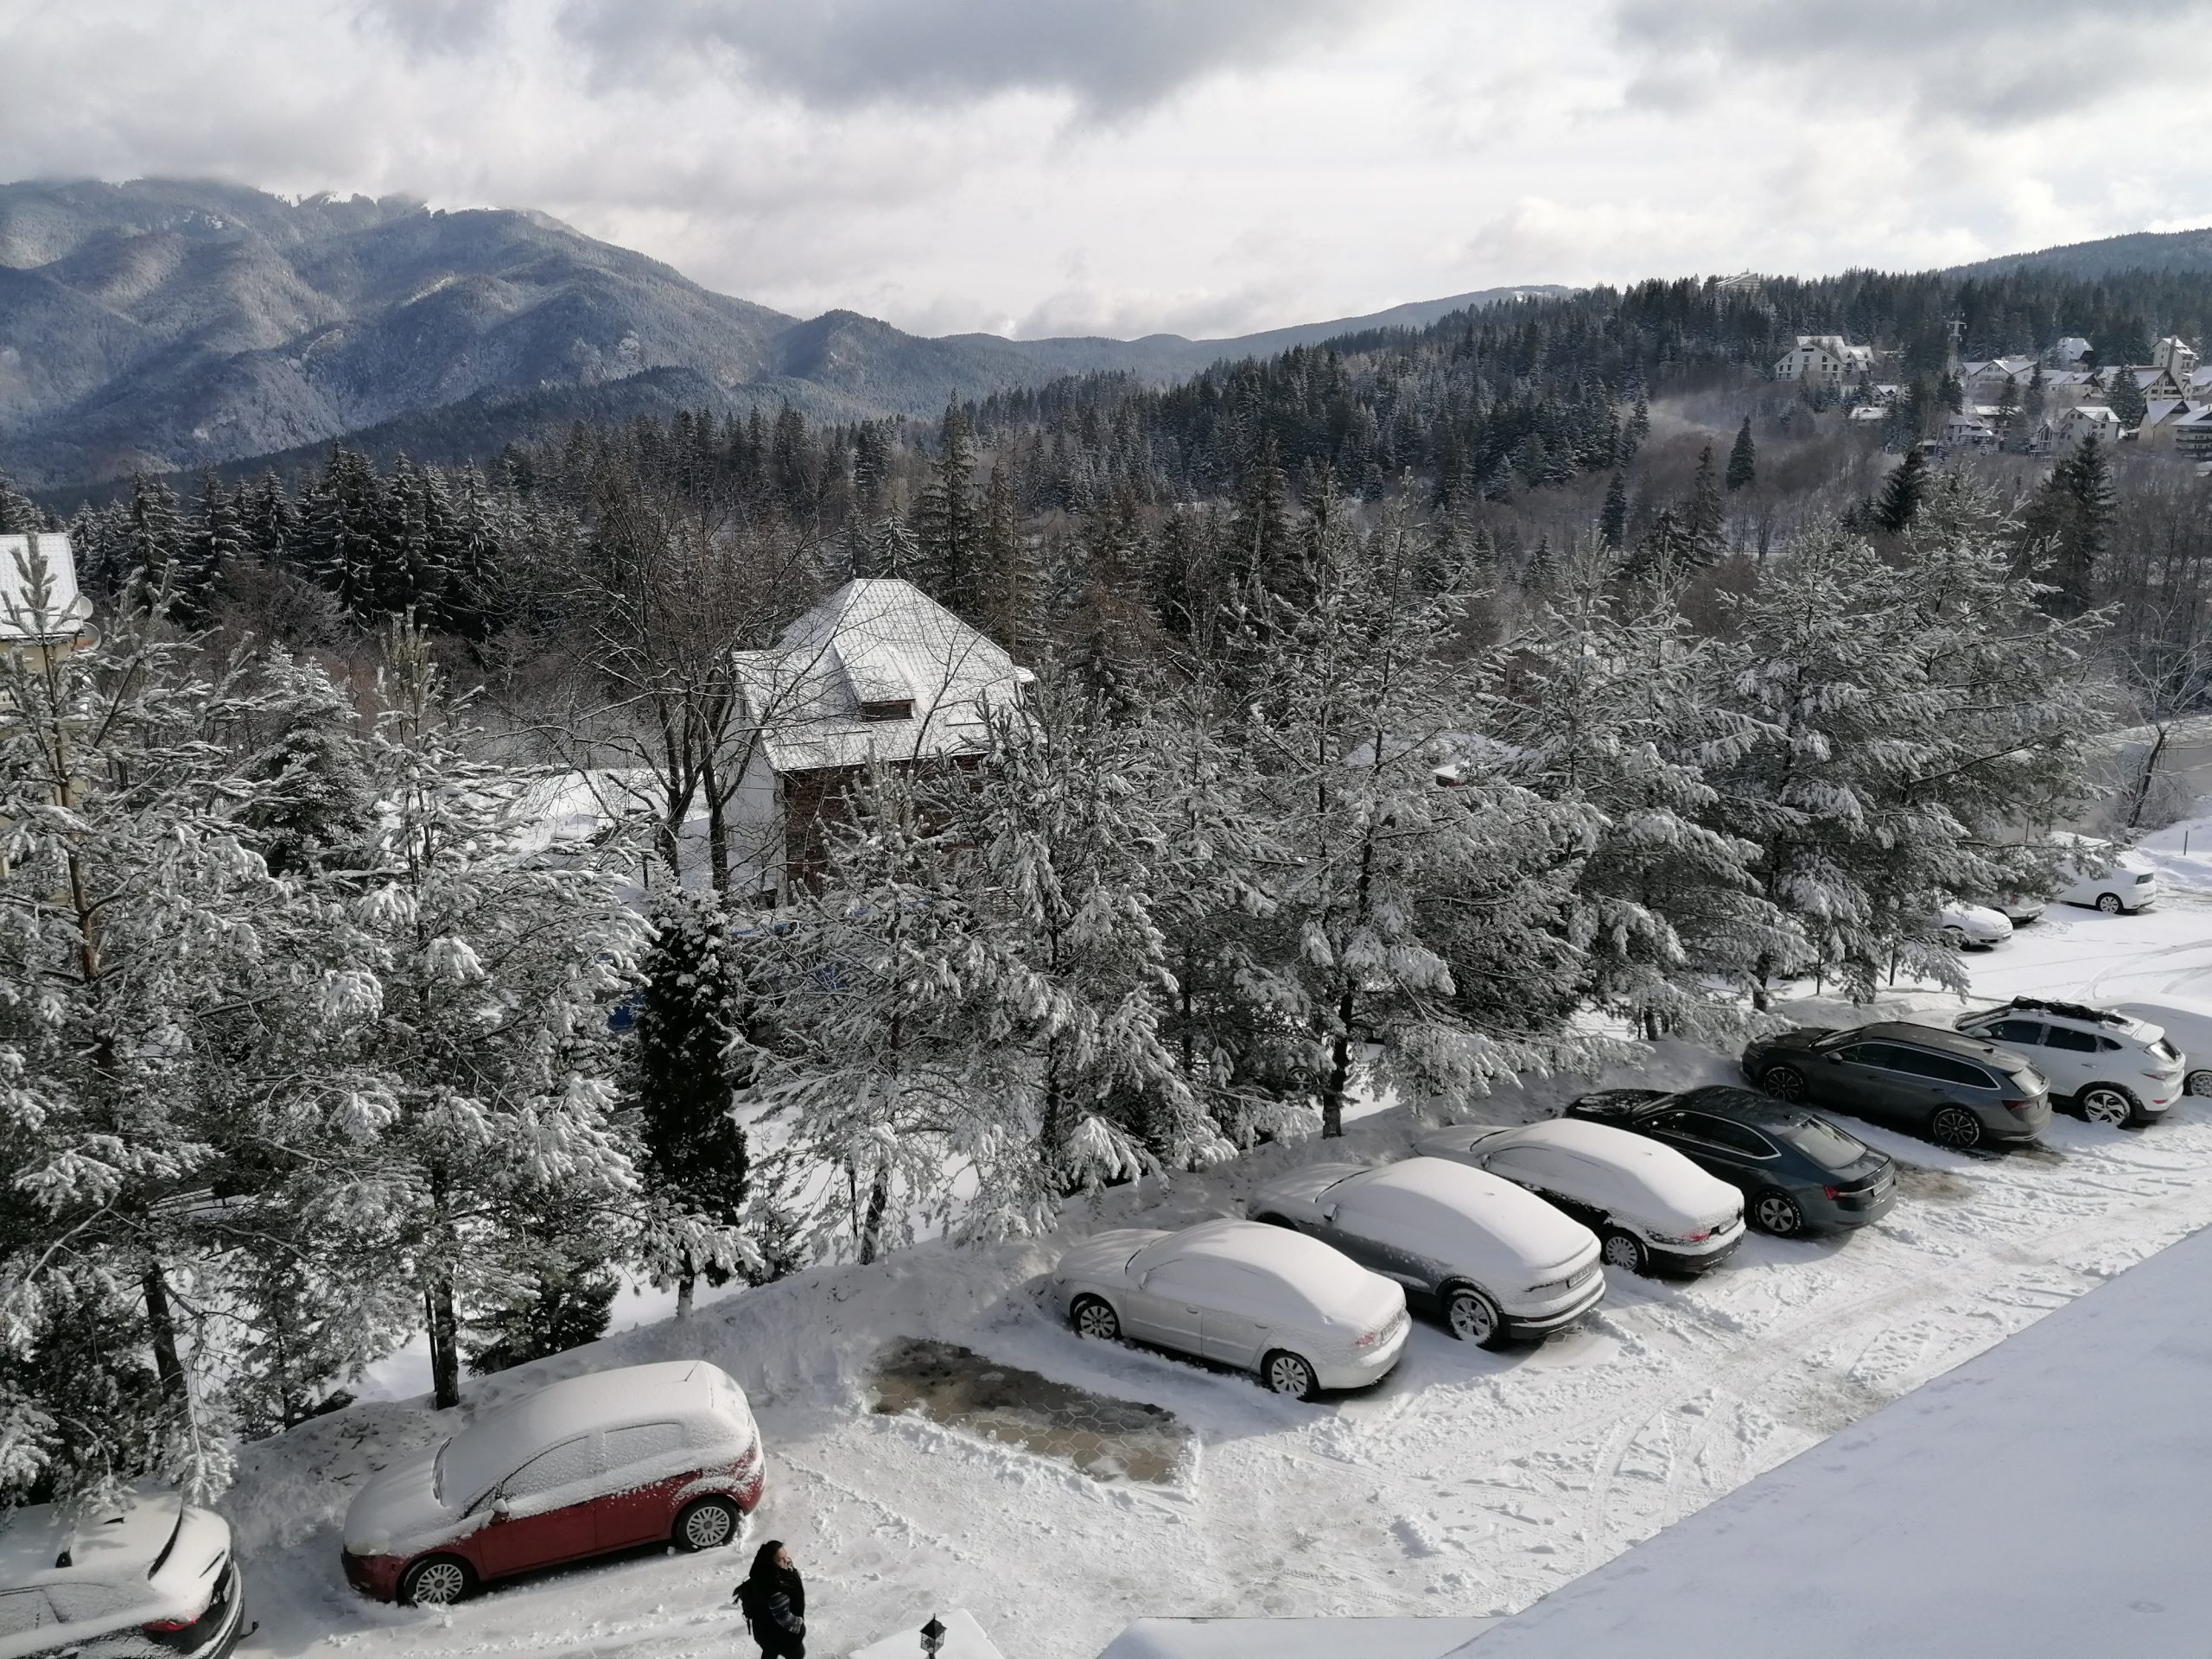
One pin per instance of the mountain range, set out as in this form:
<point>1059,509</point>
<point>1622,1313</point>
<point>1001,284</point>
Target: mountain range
<point>167,325</point>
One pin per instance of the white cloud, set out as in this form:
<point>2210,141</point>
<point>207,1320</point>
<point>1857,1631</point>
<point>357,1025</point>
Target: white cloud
<point>1062,166</point>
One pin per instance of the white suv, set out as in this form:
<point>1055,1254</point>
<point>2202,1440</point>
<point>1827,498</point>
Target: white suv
<point>2112,1068</point>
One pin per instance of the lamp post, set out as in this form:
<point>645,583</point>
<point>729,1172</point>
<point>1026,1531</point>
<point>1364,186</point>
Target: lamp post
<point>932,1638</point>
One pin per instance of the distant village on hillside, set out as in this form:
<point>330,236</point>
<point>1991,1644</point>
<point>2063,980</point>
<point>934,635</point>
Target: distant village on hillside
<point>2029,404</point>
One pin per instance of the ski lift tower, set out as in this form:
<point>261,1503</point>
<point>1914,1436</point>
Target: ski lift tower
<point>1955,331</point>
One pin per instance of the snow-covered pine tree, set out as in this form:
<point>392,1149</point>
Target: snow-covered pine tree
<point>163,1045</point>
<point>1400,876</point>
<point>1065,971</point>
<point>483,1064</point>
<point>1742,458</point>
<point>1921,714</point>
<point>1609,712</point>
<point>947,525</point>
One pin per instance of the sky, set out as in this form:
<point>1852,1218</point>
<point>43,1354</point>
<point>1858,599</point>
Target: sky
<point>1118,167</point>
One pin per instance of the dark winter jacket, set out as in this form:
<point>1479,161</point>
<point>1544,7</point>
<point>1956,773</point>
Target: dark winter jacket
<point>774,1601</point>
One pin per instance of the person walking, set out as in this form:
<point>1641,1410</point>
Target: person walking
<point>774,1603</point>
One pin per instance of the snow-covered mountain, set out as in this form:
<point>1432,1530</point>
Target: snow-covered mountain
<point>167,325</point>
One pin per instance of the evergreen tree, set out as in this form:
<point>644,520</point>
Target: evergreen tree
<point>554,1290</point>
<point>690,1057</point>
<point>2127,399</point>
<point>216,541</point>
<point>343,524</point>
<point>1705,519</point>
<point>1612,520</point>
<point>1902,492</point>
<point>948,522</point>
<point>153,541</point>
<point>1742,458</point>
<point>2067,526</point>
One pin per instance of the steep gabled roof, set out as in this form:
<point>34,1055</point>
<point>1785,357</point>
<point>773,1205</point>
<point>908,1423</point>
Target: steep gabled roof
<point>883,645</point>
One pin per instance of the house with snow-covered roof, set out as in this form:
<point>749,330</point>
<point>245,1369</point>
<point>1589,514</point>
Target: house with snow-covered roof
<point>2069,352</point>
<point>2071,388</point>
<point>876,675</point>
<point>2177,356</point>
<point>1824,360</point>
<point>1985,382</point>
<point>40,603</point>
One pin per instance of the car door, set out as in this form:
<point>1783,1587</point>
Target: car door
<point>1170,1297</point>
<point>1359,1232</point>
<point>640,1505</point>
<point>1727,1151</point>
<point>2070,1059</point>
<point>1870,1080</point>
<point>541,1513</point>
<point>1235,1322</point>
<point>1546,1172</point>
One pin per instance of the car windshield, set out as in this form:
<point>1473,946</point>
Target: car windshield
<point>1824,1144</point>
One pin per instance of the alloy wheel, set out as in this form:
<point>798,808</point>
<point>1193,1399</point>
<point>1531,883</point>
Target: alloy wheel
<point>438,1584</point>
<point>1288,1374</point>
<point>708,1526</point>
<point>1956,1128</point>
<point>2109,903</point>
<point>2105,1104</point>
<point>1624,1252</point>
<point>1472,1318</point>
<point>1777,1213</point>
<point>1783,1083</point>
<point>1095,1319</point>
<point>2198,1083</point>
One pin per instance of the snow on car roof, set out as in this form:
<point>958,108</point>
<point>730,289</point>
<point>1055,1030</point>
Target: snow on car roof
<point>1472,1195</point>
<point>1332,1281</point>
<point>503,1439</point>
<point>1672,1178</point>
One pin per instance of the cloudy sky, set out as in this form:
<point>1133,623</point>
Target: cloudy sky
<point>1119,166</point>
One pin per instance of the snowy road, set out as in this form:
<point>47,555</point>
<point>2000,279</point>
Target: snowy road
<point>1469,1483</point>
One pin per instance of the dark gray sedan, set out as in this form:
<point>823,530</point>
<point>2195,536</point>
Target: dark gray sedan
<point>1956,1090</point>
<point>1799,1172</point>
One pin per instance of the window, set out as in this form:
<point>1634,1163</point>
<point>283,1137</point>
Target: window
<point>1735,1137</point>
<point>889,709</point>
<point>1942,1067</point>
<point>89,1600</point>
<point>2014,1031</point>
<point>642,1443</point>
<point>564,1465</point>
<point>2075,1042</point>
<point>1824,1144</point>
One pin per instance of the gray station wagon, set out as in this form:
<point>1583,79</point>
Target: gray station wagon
<point>1954,1089</point>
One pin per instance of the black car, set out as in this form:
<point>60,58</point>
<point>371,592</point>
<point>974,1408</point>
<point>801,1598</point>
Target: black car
<point>1956,1090</point>
<point>1798,1172</point>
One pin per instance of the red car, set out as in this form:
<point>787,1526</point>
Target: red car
<point>597,1463</point>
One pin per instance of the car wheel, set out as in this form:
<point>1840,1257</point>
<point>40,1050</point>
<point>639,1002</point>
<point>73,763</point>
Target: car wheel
<point>1092,1316</point>
<point>2109,903</point>
<point>1626,1252</point>
<point>2198,1083</point>
<point>1955,939</point>
<point>1777,1213</point>
<point>1783,1081</point>
<point>1287,1373</point>
<point>2105,1102</point>
<point>707,1524</point>
<point>437,1581</point>
<point>1473,1317</point>
<point>1955,1127</point>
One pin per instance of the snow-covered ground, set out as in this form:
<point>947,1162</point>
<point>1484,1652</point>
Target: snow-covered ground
<point>1468,1483</point>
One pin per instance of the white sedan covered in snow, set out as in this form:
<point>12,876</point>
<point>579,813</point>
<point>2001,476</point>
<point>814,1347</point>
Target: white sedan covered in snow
<point>1978,927</point>
<point>1651,1207</point>
<point>1302,1316</point>
<point>1501,1264</point>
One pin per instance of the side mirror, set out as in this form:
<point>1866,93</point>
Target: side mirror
<point>1835,1060</point>
<point>1329,1214</point>
<point>501,1509</point>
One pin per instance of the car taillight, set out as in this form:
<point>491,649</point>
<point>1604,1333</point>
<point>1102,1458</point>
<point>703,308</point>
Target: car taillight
<point>2016,1105</point>
<point>1832,1192</point>
<point>1369,1340</point>
<point>171,1626</point>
